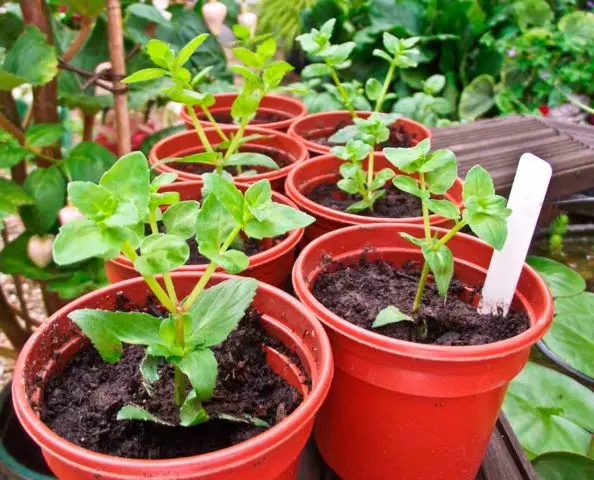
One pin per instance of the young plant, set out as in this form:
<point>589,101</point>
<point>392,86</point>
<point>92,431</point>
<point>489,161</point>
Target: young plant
<point>361,140</point>
<point>426,106</point>
<point>484,212</point>
<point>399,53</point>
<point>262,75</point>
<point>117,210</point>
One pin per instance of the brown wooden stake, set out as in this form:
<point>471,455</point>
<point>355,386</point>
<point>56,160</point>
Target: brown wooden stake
<point>118,63</point>
<point>88,126</point>
<point>85,30</point>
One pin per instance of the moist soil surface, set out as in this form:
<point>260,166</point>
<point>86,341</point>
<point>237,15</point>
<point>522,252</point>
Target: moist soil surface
<point>281,158</point>
<point>81,403</point>
<point>259,119</point>
<point>249,246</point>
<point>394,204</point>
<point>399,137</point>
<point>358,292</point>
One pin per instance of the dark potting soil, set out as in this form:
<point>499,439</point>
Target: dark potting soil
<point>249,246</point>
<point>81,403</point>
<point>281,158</point>
<point>399,137</point>
<point>260,118</point>
<point>358,292</point>
<point>394,204</point>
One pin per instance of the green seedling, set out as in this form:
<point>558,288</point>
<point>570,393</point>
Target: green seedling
<point>261,75</point>
<point>361,139</point>
<point>117,210</point>
<point>399,53</point>
<point>484,212</point>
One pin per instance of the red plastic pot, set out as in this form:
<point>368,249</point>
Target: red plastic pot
<point>324,124</point>
<point>405,410</point>
<point>286,108</point>
<point>272,266</point>
<point>271,455</point>
<point>187,143</point>
<point>325,169</point>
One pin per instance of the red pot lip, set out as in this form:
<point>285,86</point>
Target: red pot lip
<point>299,124</point>
<point>301,153</point>
<point>294,192</point>
<point>286,245</point>
<point>457,354</point>
<point>213,460</point>
<point>282,100</point>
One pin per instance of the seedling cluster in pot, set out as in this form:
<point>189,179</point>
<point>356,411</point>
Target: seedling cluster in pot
<point>116,212</point>
<point>261,74</point>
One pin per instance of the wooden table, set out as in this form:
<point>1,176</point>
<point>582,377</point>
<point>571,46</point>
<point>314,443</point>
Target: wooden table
<point>504,460</point>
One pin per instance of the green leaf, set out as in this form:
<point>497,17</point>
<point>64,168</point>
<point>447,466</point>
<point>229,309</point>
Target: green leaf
<point>344,135</point>
<point>250,158</point>
<point>562,280</point>
<point>440,180</point>
<point>245,418</point>
<point>47,187</point>
<point>389,315</point>
<point>258,197</point>
<point>478,183</point>
<point>147,12</point>
<point>578,27</point>
<point>149,368</point>
<point>434,84</point>
<point>246,104</point>
<point>160,53</point>
<point>408,160</point>
<point>191,412</point>
<point>315,70</point>
<point>535,13</point>
<point>441,263</point>
<point>96,202</point>
<point>144,75</point>
<point>14,260</point>
<point>338,54</point>
<point>266,49</point>
<point>107,330</point>
<point>226,193</point>
<point>11,152</point>
<point>381,54</point>
<point>373,88</point>
<point>162,179</point>
<point>43,134</point>
<point>218,310</point>
<point>82,239</point>
<point>571,337</point>
<point>274,74</point>
<point>88,8</point>
<point>391,43</point>
<point>490,228</point>
<point>445,208</point>
<point>438,159</point>
<point>12,196</point>
<point>277,220</point>
<point>359,206</point>
<point>87,161</point>
<point>408,184</point>
<point>477,98</point>
<point>188,97</point>
<point>161,253</point>
<point>73,284</point>
<point>134,412</point>
<point>200,366</point>
<point>248,57</point>
<point>563,466</point>
<point>188,50</point>
<point>232,261</point>
<point>129,179</point>
<point>180,219</point>
<point>41,63</point>
<point>214,223</point>
<point>550,411</point>
<point>420,242</point>
<point>380,178</point>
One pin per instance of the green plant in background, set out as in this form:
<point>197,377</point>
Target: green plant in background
<point>557,231</point>
<point>283,19</point>
<point>116,211</point>
<point>398,54</point>
<point>484,212</point>
<point>262,75</point>
<point>426,107</point>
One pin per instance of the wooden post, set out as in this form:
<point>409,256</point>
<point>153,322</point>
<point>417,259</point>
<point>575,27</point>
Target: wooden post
<point>116,54</point>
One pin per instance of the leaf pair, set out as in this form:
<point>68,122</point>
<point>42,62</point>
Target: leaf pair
<point>372,130</point>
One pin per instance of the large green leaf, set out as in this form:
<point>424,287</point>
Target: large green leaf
<point>161,253</point>
<point>218,310</point>
<point>477,98</point>
<point>562,280</point>
<point>535,13</point>
<point>200,366</point>
<point>30,60</point>
<point>12,196</point>
<point>578,27</point>
<point>180,219</point>
<point>549,411</point>
<point>563,466</point>
<point>11,26</point>
<point>82,239</point>
<point>47,187</point>
<point>571,337</point>
<point>276,220</point>
<point>88,161</point>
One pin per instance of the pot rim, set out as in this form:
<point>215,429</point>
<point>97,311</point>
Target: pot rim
<point>301,153</point>
<point>213,461</point>
<point>285,245</point>
<point>272,125</point>
<point>294,192</point>
<point>458,354</point>
<point>297,127</point>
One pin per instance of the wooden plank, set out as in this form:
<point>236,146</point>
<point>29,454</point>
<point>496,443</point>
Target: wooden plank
<point>504,460</point>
